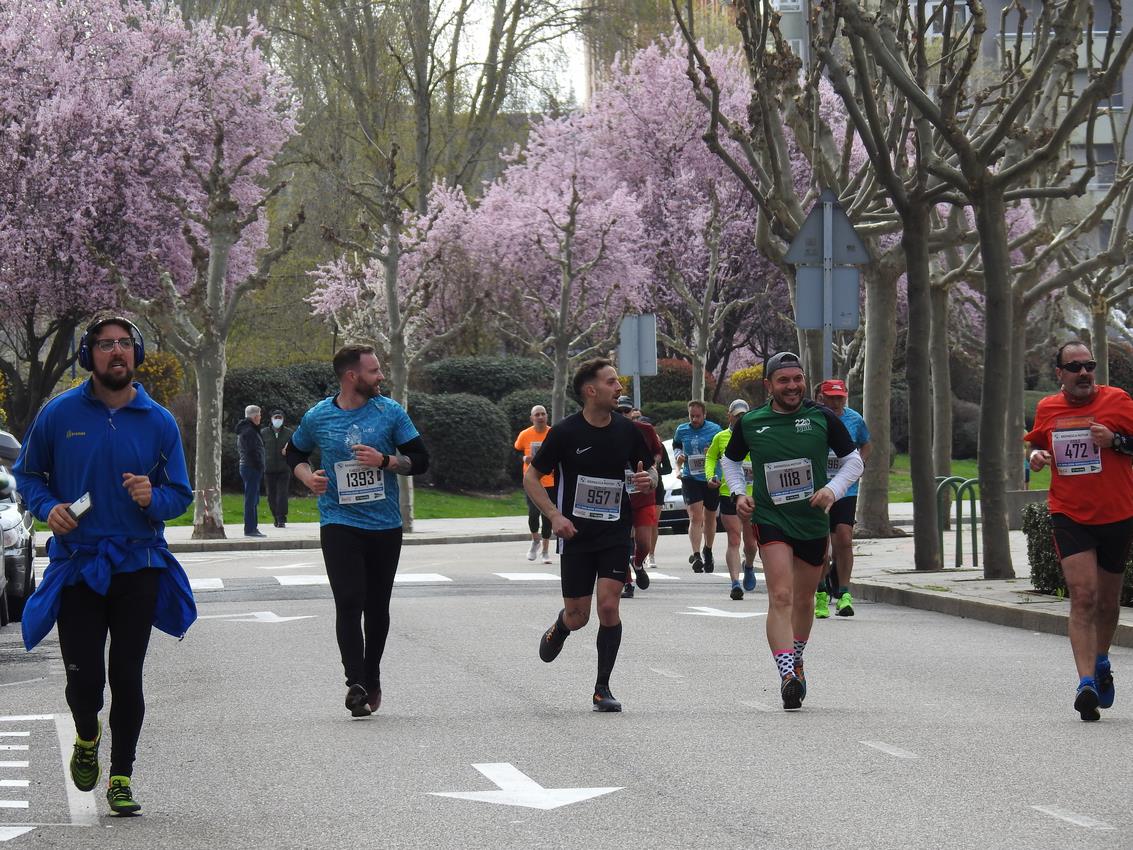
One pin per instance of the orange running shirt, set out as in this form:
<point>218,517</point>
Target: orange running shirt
<point>523,443</point>
<point>1088,485</point>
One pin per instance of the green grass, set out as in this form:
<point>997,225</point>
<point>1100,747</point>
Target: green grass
<point>901,484</point>
<point>427,504</point>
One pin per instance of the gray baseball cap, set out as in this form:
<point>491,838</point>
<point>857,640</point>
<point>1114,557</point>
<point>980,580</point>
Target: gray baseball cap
<point>625,401</point>
<point>738,406</point>
<point>780,361</point>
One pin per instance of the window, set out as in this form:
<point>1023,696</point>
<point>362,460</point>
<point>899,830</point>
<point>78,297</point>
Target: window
<point>935,12</point>
<point>787,5</point>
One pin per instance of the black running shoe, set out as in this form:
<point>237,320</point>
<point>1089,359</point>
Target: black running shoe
<point>551,644</point>
<point>627,591</point>
<point>357,700</point>
<point>697,563</point>
<point>709,564</point>
<point>604,700</point>
<point>1086,702</point>
<point>642,577</point>
<point>792,693</point>
<point>374,698</point>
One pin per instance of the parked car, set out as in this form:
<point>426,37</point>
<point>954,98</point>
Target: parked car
<point>673,513</point>
<point>17,530</point>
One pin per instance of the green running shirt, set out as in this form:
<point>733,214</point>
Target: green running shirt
<point>788,457</point>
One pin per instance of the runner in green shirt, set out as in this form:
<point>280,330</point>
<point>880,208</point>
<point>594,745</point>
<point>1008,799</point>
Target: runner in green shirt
<point>788,440</point>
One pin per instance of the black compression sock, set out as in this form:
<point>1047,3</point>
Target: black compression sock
<point>560,626</point>
<point>608,641</point>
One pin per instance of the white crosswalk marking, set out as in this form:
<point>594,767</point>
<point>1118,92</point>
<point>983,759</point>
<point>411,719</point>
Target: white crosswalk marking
<point>13,764</point>
<point>13,783</point>
<point>206,584</point>
<point>419,578</point>
<point>301,581</point>
<point>13,804</point>
<point>15,734</point>
<point>10,747</point>
<point>529,576</point>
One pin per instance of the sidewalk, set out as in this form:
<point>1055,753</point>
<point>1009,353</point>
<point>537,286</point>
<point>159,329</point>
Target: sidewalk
<point>883,568</point>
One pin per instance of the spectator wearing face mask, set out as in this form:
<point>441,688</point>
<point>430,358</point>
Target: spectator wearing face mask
<point>277,474</point>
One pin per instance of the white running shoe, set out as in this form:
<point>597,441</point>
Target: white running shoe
<point>533,551</point>
<point>547,558</point>
<point>649,562</point>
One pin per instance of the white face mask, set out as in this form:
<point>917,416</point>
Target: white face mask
<point>277,422</point>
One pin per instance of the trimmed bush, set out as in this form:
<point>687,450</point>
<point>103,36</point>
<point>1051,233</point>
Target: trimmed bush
<point>673,382</point>
<point>491,377</point>
<point>1046,572</point>
<point>293,389</point>
<point>1031,399</point>
<point>678,410</point>
<point>468,438</point>
<point>748,383</point>
<point>1120,366</point>
<point>667,428</point>
<point>965,429</point>
<point>517,407</point>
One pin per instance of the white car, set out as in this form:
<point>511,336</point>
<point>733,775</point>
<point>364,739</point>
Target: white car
<point>673,512</point>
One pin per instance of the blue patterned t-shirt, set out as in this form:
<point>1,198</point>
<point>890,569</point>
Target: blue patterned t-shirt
<point>381,423</point>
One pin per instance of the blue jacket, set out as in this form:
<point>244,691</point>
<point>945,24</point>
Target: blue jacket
<point>78,445</point>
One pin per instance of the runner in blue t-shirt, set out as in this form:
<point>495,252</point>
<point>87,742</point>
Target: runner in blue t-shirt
<point>691,442</point>
<point>365,441</point>
<point>833,394</point>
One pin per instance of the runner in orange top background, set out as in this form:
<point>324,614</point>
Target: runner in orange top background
<point>527,444</point>
<point>1078,431</point>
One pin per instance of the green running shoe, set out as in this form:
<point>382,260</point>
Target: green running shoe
<point>85,769</point>
<point>821,605</point>
<point>845,605</point>
<point>120,798</point>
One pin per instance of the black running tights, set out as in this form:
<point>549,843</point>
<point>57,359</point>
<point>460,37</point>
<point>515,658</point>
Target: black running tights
<point>361,565</point>
<point>85,619</point>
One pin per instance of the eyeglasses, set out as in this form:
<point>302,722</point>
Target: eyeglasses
<point>124,343</point>
<point>1077,366</point>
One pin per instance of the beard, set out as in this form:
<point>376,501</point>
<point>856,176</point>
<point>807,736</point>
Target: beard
<point>367,390</point>
<point>112,381</point>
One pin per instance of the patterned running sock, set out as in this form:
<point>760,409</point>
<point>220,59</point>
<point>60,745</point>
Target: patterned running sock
<point>800,645</point>
<point>785,661</point>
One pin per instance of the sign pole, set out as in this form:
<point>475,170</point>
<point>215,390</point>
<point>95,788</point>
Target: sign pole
<point>637,390</point>
<point>827,288</point>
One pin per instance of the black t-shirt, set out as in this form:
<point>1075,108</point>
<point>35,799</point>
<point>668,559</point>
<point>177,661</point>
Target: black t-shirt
<point>590,485</point>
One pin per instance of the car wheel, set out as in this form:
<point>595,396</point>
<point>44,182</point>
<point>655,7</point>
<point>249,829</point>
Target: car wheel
<point>4,619</point>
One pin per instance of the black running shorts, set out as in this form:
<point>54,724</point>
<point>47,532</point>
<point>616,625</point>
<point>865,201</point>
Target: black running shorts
<point>579,570</point>
<point>812,552</point>
<point>727,506</point>
<point>844,512</point>
<point>1111,540</point>
<point>694,490</point>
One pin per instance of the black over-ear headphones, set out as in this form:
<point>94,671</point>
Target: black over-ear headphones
<point>87,341</point>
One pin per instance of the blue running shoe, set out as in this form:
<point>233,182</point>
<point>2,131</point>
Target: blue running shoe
<point>749,577</point>
<point>1103,678</point>
<point>1086,700</point>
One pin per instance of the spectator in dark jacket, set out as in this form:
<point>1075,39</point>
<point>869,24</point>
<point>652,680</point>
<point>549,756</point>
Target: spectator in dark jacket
<point>251,447</point>
<point>277,474</point>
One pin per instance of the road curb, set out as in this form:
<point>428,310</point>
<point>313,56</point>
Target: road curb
<point>1013,615</point>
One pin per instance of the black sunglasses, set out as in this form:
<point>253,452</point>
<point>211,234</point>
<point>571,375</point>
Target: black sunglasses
<point>1077,366</point>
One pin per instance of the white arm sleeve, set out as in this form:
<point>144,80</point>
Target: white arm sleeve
<point>734,475</point>
<point>850,471</point>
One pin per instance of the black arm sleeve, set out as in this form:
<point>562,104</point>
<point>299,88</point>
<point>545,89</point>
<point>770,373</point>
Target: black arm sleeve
<point>837,435</point>
<point>417,453</point>
<point>737,445</point>
<point>294,457</point>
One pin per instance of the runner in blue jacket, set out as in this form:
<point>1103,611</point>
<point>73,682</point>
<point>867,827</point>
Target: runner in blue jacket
<point>103,465</point>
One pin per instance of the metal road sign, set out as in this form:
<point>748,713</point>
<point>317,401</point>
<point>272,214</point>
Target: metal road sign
<point>847,248</point>
<point>637,350</point>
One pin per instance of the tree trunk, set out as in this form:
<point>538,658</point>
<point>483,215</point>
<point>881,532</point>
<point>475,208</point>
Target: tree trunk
<point>699,357</point>
<point>914,242</point>
<point>1014,449</point>
<point>941,384</point>
<point>877,394</point>
<point>991,215</point>
<point>210,366</point>
<point>558,389</point>
<point>398,359</point>
<point>1099,321</point>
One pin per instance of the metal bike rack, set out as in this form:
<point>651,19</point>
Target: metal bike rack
<point>959,487</point>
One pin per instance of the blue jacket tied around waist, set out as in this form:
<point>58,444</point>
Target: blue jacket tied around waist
<point>78,445</point>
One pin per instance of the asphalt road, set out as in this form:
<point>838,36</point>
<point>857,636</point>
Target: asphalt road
<point>919,731</point>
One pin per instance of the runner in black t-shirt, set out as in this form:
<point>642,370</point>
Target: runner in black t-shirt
<point>596,455</point>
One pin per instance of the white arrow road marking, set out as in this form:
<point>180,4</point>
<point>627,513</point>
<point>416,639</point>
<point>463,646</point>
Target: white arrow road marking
<point>7,833</point>
<point>1073,817</point>
<point>299,581</point>
<point>80,803</point>
<point>529,576</point>
<point>519,789</point>
<point>206,584</point>
<point>15,763</point>
<point>254,617</point>
<point>700,611</point>
<point>419,578</point>
<point>890,749</point>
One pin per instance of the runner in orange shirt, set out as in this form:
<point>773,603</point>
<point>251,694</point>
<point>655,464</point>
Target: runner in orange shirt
<point>527,444</point>
<point>1079,432</point>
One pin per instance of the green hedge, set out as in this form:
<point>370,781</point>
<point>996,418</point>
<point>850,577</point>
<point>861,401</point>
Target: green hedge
<point>293,389</point>
<point>517,406</point>
<point>491,377</point>
<point>673,382</point>
<point>664,411</point>
<point>468,438</point>
<point>1046,572</point>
